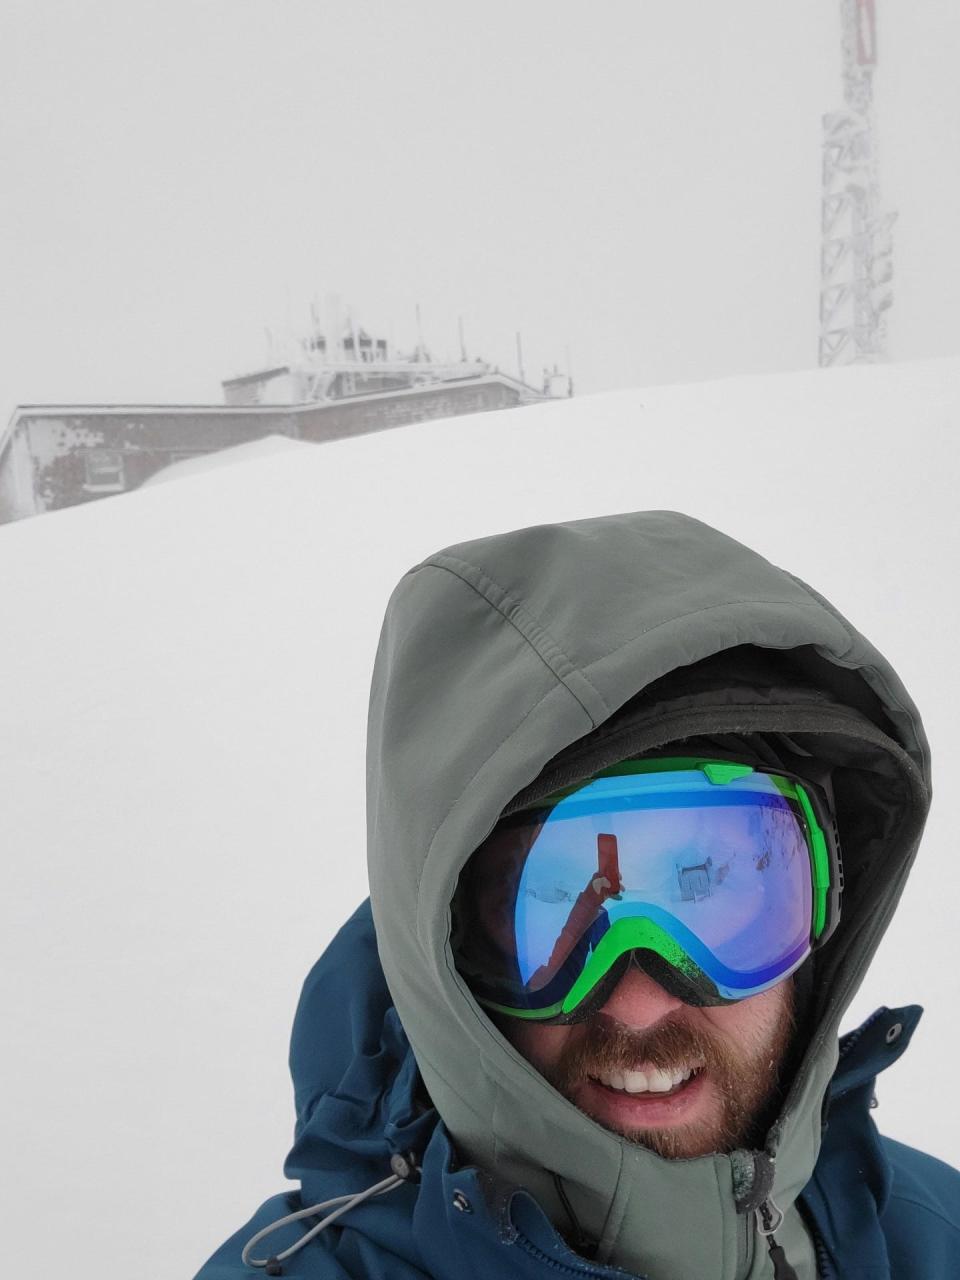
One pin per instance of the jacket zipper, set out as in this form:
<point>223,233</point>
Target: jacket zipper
<point>855,1035</point>
<point>825,1269</point>
<point>768,1217</point>
<point>745,1244</point>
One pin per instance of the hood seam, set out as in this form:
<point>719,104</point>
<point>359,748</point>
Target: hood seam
<point>707,608</point>
<point>812,603</point>
<point>518,609</point>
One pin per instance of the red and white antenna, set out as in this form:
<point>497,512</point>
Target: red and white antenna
<point>856,242</point>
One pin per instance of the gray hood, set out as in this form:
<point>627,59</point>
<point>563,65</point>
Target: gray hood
<point>512,664</point>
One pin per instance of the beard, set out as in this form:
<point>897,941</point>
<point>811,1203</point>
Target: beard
<point>747,1074</point>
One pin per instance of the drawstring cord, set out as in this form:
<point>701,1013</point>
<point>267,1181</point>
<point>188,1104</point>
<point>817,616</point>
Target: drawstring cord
<point>405,1169</point>
<point>769,1217</point>
<point>582,1243</point>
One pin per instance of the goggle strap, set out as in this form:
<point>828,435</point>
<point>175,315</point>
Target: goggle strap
<point>821,863</point>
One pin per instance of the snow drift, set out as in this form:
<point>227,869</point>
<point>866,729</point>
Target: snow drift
<point>182,751</point>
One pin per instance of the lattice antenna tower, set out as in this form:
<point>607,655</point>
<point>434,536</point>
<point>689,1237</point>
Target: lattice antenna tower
<point>856,257</point>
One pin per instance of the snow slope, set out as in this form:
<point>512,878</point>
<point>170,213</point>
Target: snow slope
<point>252,451</point>
<point>182,743</point>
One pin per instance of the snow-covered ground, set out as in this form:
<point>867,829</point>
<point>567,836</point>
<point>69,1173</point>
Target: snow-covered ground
<point>182,756</point>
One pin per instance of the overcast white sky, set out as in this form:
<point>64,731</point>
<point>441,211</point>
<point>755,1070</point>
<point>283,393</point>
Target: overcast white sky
<point>635,180</point>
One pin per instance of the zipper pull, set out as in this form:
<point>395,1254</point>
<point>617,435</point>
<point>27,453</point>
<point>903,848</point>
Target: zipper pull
<point>769,1220</point>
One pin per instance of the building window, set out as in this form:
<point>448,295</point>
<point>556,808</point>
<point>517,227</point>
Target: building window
<point>104,471</point>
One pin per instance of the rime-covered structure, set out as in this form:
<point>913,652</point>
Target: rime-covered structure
<point>336,382</point>
<point>856,243</point>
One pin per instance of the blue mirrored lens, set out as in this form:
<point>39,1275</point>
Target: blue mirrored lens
<point>724,869</point>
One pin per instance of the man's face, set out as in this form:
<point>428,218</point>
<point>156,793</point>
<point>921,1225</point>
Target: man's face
<point>735,1054</point>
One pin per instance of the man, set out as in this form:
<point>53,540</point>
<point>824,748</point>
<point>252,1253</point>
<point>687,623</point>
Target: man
<point>640,808</point>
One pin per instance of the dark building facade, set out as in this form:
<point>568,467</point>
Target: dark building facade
<point>56,456</point>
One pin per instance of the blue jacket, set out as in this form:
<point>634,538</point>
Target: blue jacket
<point>877,1210</point>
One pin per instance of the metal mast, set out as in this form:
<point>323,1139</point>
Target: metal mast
<point>856,242</point>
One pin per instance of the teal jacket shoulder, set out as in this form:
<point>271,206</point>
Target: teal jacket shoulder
<point>878,1209</point>
<point>921,1221</point>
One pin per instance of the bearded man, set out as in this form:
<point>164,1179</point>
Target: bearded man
<point>641,806</point>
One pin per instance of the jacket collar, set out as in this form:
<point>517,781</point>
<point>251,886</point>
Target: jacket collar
<point>851,1183</point>
<point>875,1045</point>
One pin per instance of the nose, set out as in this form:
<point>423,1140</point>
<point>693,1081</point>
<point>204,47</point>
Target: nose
<point>639,1001</point>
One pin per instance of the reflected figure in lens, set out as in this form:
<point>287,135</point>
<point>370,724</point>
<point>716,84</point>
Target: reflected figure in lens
<point>588,920</point>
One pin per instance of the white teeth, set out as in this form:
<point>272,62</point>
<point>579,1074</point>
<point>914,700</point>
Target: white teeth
<point>652,1080</point>
<point>635,1082</point>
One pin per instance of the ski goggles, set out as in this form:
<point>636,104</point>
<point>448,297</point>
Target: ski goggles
<point>719,879</point>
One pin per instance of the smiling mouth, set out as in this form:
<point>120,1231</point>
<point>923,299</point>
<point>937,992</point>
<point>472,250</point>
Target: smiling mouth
<point>651,1083</point>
